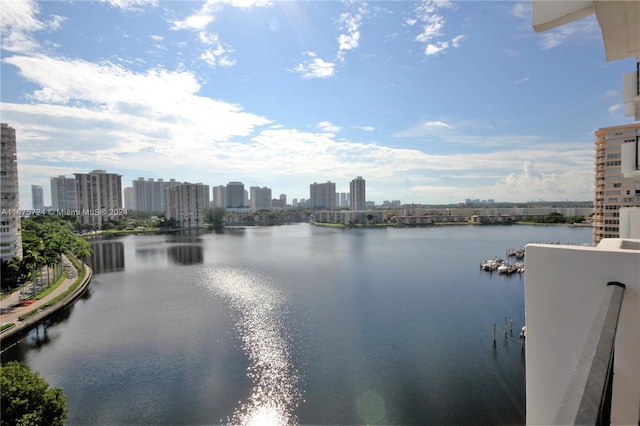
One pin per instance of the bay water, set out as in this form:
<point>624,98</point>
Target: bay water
<point>295,324</point>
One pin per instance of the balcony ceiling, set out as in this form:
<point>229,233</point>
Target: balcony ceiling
<point>619,22</point>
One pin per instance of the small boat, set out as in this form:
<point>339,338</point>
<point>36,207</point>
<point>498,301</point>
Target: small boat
<point>523,333</point>
<point>491,264</point>
<point>507,268</point>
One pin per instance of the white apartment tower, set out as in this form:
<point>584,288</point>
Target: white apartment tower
<point>148,195</point>
<point>323,195</point>
<point>99,197</point>
<point>235,195</point>
<point>260,198</point>
<point>220,196</point>
<point>342,199</point>
<point>128,198</point>
<point>612,189</point>
<point>357,194</point>
<point>37,197</point>
<point>186,203</point>
<point>10,230</point>
<point>63,193</point>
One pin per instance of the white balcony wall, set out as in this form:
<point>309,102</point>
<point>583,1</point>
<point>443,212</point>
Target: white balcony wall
<point>563,289</point>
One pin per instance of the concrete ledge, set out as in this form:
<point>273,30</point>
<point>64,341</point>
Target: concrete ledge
<point>586,395</point>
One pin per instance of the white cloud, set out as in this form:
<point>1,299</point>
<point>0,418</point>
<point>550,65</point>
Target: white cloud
<point>455,42</point>
<point>327,126</point>
<point>609,93</point>
<point>521,80</point>
<point>350,23</point>
<point>530,184</point>
<point>19,22</point>
<point>314,67</point>
<point>366,128</point>
<point>424,129</point>
<point>246,4</point>
<point>218,56</point>
<point>55,22</point>
<point>193,22</point>
<point>522,9</point>
<point>433,25</point>
<point>119,117</point>
<point>434,49</point>
<point>199,21</point>
<point>614,108</point>
<point>132,4</point>
<point>436,124</point>
<point>207,13</point>
<point>208,38</point>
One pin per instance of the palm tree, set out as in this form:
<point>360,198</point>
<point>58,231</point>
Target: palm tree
<point>81,249</point>
<point>32,259</point>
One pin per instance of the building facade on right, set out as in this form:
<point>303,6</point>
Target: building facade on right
<point>357,194</point>
<point>582,304</point>
<point>613,190</point>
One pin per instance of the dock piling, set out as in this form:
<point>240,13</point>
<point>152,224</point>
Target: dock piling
<point>494,334</point>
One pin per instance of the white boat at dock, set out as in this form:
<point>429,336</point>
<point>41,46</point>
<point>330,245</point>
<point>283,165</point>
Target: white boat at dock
<point>491,264</point>
<point>507,268</point>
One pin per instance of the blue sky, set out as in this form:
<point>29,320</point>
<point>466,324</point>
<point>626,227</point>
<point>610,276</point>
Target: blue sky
<point>429,101</point>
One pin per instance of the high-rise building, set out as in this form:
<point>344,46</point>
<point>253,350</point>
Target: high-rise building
<point>63,193</point>
<point>260,198</point>
<point>342,200</point>
<point>613,189</point>
<point>10,230</point>
<point>186,203</point>
<point>148,195</point>
<point>37,197</point>
<point>129,202</point>
<point>235,195</point>
<point>357,195</point>
<point>206,196</point>
<point>323,195</point>
<point>99,197</point>
<point>220,196</point>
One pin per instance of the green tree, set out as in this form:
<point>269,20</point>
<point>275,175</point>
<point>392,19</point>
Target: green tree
<point>27,398</point>
<point>554,218</point>
<point>215,216</point>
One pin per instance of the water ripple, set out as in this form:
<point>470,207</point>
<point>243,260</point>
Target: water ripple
<point>259,313</point>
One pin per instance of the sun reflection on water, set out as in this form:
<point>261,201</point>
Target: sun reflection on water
<point>259,310</point>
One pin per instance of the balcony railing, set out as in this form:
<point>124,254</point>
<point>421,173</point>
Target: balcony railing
<point>587,400</point>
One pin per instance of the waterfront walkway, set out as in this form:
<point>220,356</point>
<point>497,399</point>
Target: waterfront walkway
<point>13,306</point>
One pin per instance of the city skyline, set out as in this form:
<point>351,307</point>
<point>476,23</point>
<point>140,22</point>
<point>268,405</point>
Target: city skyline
<point>433,102</point>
